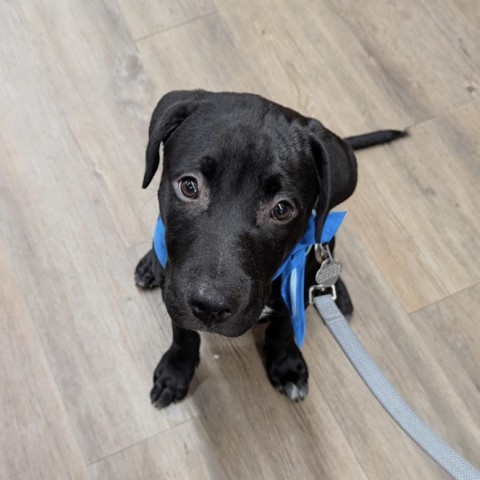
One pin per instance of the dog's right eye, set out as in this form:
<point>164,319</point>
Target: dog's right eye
<point>282,211</point>
<point>188,187</point>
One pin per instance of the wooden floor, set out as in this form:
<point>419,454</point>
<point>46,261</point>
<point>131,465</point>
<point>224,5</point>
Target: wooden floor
<point>78,343</point>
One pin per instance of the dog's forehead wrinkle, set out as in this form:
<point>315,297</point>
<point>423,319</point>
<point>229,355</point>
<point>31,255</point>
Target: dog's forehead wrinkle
<point>250,136</point>
<point>258,157</point>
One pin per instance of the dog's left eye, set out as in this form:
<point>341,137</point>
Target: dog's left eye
<point>188,187</point>
<point>282,211</point>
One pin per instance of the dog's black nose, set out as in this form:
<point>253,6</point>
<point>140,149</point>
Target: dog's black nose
<point>208,305</point>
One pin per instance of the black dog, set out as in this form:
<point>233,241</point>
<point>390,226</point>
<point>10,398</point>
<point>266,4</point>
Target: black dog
<point>240,178</point>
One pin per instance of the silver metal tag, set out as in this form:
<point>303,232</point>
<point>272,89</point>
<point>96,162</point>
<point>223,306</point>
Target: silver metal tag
<point>328,273</point>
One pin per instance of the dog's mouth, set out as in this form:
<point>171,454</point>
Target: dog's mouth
<point>234,326</point>
<point>234,330</point>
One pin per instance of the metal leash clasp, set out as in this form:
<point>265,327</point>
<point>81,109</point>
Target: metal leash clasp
<point>327,274</point>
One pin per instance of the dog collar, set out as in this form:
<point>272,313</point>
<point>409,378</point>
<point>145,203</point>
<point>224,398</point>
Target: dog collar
<point>291,272</point>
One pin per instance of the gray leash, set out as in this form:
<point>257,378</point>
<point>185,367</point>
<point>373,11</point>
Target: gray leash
<point>449,460</point>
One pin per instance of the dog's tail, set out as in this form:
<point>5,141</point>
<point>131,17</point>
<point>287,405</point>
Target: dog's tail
<point>374,138</point>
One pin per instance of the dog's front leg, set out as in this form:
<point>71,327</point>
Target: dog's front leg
<point>286,368</point>
<point>148,272</point>
<point>176,368</point>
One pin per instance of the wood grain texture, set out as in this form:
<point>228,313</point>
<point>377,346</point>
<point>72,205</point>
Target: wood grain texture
<point>354,66</point>
<point>245,429</point>
<point>451,327</point>
<point>428,65</point>
<point>200,54</point>
<point>77,85</point>
<point>37,439</point>
<point>183,452</point>
<point>459,22</point>
<point>74,266</point>
<point>145,17</point>
<point>416,208</point>
<point>310,60</point>
<point>100,90</point>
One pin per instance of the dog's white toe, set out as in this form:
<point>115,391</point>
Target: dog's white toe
<point>295,392</point>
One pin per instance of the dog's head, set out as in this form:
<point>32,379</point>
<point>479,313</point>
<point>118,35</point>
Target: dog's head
<point>240,178</point>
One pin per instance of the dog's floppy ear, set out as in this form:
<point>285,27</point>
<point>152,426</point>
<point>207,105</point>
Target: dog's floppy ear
<point>172,109</point>
<point>336,170</point>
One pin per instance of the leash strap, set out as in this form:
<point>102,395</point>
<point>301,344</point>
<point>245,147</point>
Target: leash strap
<point>449,460</point>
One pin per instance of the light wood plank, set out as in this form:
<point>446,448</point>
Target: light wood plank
<point>426,63</point>
<point>450,326</point>
<point>313,63</point>
<point>101,91</point>
<point>353,66</point>
<point>102,339</point>
<point>182,452</point>
<point>147,17</point>
<point>229,56</point>
<point>416,208</point>
<point>245,428</point>
<point>459,20</point>
<point>256,433</point>
<point>200,54</point>
<point>37,440</point>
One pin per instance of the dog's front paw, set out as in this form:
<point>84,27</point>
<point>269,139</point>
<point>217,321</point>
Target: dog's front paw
<point>149,273</point>
<point>172,378</point>
<point>288,372</point>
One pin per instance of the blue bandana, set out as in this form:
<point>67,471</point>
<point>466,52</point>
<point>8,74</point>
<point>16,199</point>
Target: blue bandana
<point>292,270</point>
